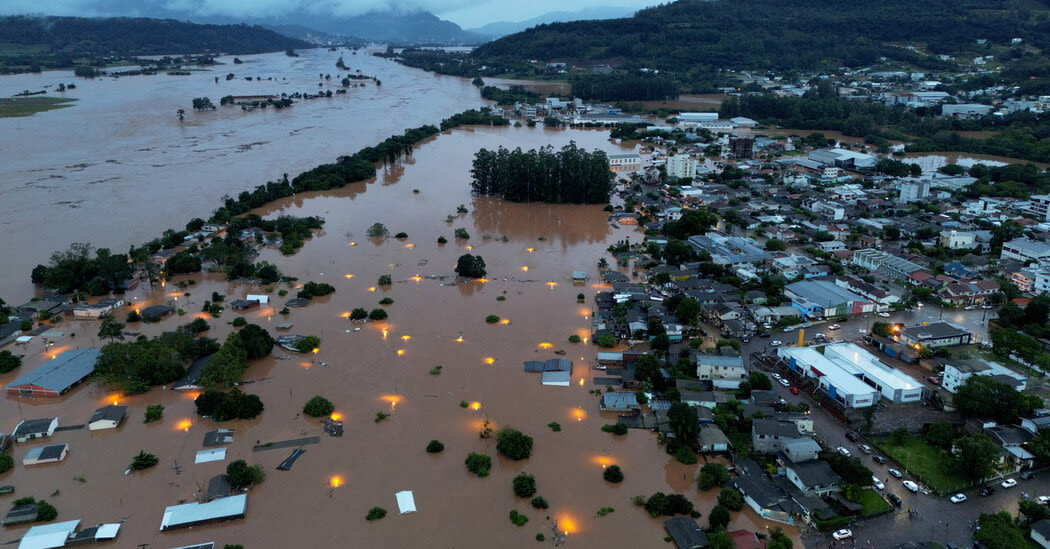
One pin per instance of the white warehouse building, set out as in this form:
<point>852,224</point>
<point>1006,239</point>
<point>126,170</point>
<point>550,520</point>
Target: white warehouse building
<point>839,384</point>
<point>894,384</point>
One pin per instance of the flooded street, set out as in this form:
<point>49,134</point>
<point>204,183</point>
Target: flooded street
<point>386,367</point>
<point>117,168</point>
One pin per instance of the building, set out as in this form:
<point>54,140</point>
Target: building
<point>883,263</point>
<point>619,402</point>
<point>696,117</point>
<point>958,240</point>
<point>192,514</point>
<point>843,158</point>
<point>894,384</point>
<point>625,162</point>
<point>1039,206</point>
<point>1026,249</point>
<point>824,299</point>
<point>724,372</point>
<point>1034,280</point>
<point>969,110</point>
<point>34,428</point>
<point>912,191</point>
<point>1041,533</point>
<point>686,533</point>
<point>840,385</point>
<point>937,334</point>
<point>97,310</point>
<point>45,454</point>
<point>812,477</point>
<point>768,436</point>
<point>957,371</point>
<point>57,375</point>
<point>741,147</point>
<point>107,417</point>
<point>681,165</point>
<point>711,439</point>
<point>730,250</point>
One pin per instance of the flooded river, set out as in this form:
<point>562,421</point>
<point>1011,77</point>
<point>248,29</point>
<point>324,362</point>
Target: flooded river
<point>530,251</point>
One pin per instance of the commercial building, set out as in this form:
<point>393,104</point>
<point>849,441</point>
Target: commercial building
<point>695,117</point>
<point>1025,249</point>
<point>1039,206</point>
<point>730,250</point>
<point>894,384</point>
<point>824,299</point>
<point>625,162</point>
<point>957,371</point>
<point>840,385</point>
<point>968,110</point>
<point>57,375</point>
<point>912,191</point>
<point>957,240</point>
<point>883,263</point>
<point>681,165</point>
<point>937,334</point>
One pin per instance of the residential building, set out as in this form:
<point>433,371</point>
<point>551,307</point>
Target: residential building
<point>619,402</point>
<point>34,428</point>
<point>681,165</point>
<point>882,298</point>
<point>957,240</point>
<point>1026,249</point>
<point>1041,533</point>
<point>957,371</point>
<point>1039,206</point>
<point>768,436</point>
<point>812,477</point>
<point>711,439</point>
<point>1038,420</point>
<point>741,147</point>
<point>625,162</point>
<point>686,533</point>
<point>724,372</point>
<point>937,334</point>
<point>107,417</point>
<point>840,385</point>
<point>1034,280</point>
<point>192,514</point>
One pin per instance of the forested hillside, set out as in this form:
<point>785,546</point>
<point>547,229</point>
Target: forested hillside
<point>781,34</point>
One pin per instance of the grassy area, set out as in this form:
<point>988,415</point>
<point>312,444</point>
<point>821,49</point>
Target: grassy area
<point>7,48</point>
<point>929,465</point>
<point>28,106</point>
<point>873,503</point>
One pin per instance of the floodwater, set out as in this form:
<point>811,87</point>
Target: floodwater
<point>385,367</point>
<point>118,168</point>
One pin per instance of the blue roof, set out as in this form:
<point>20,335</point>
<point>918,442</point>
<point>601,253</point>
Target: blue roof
<point>62,372</point>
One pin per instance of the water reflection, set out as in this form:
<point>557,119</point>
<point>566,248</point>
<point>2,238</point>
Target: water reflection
<point>568,224</point>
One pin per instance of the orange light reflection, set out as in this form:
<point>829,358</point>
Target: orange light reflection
<point>489,360</point>
<point>184,425</point>
<point>475,405</point>
<point>336,482</point>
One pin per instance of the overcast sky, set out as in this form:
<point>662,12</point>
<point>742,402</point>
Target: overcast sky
<point>466,13</point>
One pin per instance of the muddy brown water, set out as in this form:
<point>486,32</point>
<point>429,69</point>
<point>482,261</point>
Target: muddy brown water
<point>385,366</point>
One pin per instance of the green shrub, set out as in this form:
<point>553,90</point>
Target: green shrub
<point>731,499</point>
<point>381,415</point>
<point>436,370</point>
<point>242,475</point>
<point>555,426</point>
<point>358,314</point>
<point>492,319</point>
<point>153,413</point>
<point>6,463</point>
<point>375,513</point>
<point>377,314</point>
<point>605,511</point>
<point>501,298</point>
<point>513,443</point>
<point>517,518</point>
<point>386,301</point>
<point>435,447</point>
<point>237,322</point>
<point>401,235</point>
<point>574,338</point>
<point>524,485</point>
<point>463,404</point>
<point>540,537</point>
<point>613,474</point>
<point>615,428</point>
<point>684,455</point>
<point>385,280</point>
<point>377,230</point>
<point>539,503</point>
<point>442,240</point>
<point>462,233</point>
<point>143,461</point>
<point>45,512</point>
<point>479,464</point>
<point>711,475</point>
<point>318,406</point>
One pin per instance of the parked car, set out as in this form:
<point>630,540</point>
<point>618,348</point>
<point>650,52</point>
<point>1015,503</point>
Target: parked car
<point>775,343</point>
<point>884,315</point>
<point>877,483</point>
<point>775,375</point>
<point>784,382</point>
<point>986,307</point>
<point>865,448</point>
<point>1027,475</point>
<point>842,451</point>
<point>910,485</point>
<point>852,436</point>
<point>1008,483</point>
<point>893,499</point>
<point>895,473</point>
<point>936,380</point>
<point>794,390</point>
<point>878,459</point>
<point>834,327</point>
<point>1043,500</point>
<point>842,534</point>
<point>970,307</point>
<point>987,491</point>
<point>958,498</point>
<point>862,330</point>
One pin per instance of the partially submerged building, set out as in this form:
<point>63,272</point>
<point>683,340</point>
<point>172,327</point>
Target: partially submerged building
<point>46,454</point>
<point>57,375</point>
<point>192,514</point>
<point>34,428</point>
<point>107,417</point>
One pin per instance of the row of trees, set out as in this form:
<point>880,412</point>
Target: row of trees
<point>227,365</point>
<point>624,87</point>
<point>570,175</point>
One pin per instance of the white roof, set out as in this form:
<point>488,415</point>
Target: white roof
<point>856,360</point>
<point>212,454</point>
<point>263,299</point>
<point>107,531</point>
<point>556,378</point>
<point>810,359</point>
<point>23,339</point>
<point>192,513</point>
<point>406,502</point>
<point>47,536</point>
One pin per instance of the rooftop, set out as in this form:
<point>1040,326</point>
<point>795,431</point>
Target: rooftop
<point>61,372</point>
<point>936,330</point>
<point>189,514</point>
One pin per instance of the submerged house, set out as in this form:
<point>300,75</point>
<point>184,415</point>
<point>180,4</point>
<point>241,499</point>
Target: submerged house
<point>192,514</point>
<point>107,417</point>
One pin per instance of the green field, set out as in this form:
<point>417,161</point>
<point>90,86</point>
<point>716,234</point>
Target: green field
<point>11,107</point>
<point>873,503</point>
<point>929,465</point>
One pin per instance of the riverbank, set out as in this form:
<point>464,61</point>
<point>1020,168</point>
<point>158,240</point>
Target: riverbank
<point>14,107</point>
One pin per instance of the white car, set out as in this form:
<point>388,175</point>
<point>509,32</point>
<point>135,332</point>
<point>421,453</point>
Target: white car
<point>784,382</point>
<point>958,498</point>
<point>775,375</point>
<point>910,485</point>
<point>862,330</point>
<point>842,451</point>
<point>894,472</point>
<point>884,315</point>
<point>1043,500</point>
<point>877,483</point>
<point>970,307</point>
<point>1009,483</point>
<point>842,534</point>
<point>834,327</point>
<point>775,343</point>
<point>986,307</point>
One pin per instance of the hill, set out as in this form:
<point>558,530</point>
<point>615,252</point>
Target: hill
<point>780,34</point>
<point>503,28</point>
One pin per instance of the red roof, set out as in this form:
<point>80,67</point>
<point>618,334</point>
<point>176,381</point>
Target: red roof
<point>742,539</point>
<point>921,276</point>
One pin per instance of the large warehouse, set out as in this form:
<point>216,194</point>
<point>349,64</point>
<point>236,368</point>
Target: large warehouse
<point>57,375</point>
<point>839,384</point>
<point>823,299</point>
<point>894,384</point>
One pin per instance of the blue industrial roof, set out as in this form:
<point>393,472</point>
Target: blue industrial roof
<point>62,372</point>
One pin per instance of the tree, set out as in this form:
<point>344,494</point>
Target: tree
<point>318,406</point>
<point>999,531</point>
<point>153,413</point>
<point>434,447</point>
<point>199,325</point>
<point>775,245</point>
<point>470,266</point>
<point>711,475</point>
<point>851,469</point>
<point>524,485</point>
<point>134,366</point>
<point>882,329</point>
<point>110,329</point>
<point>45,512</point>
<point>384,280</point>
<point>682,420</point>
<point>983,396</point>
<point>648,369</point>
<point>6,463</point>
<point>759,381</point>
<point>377,314</point>
<point>976,456</point>
<point>8,361</point>
<point>606,340</point>
<point>513,443</point>
<point>941,435</point>
<point>731,499</point>
<point>241,475</point>
<point>613,474</point>
<point>479,464</point>
<point>308,344</point>
<point>1039,446</point>
<point>256,340</point>
<point>227,365</point>
<point>719,517</point>
<point>143,461</point>
<point>658,505</point>
<point>688,311</point>
<point>378,230</point>
<point>778,540</point>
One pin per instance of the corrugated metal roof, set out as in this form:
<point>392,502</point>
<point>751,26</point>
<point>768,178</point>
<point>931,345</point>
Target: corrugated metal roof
<point>61,372</point>
<point>47,536</point>
<point>193,513</point>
